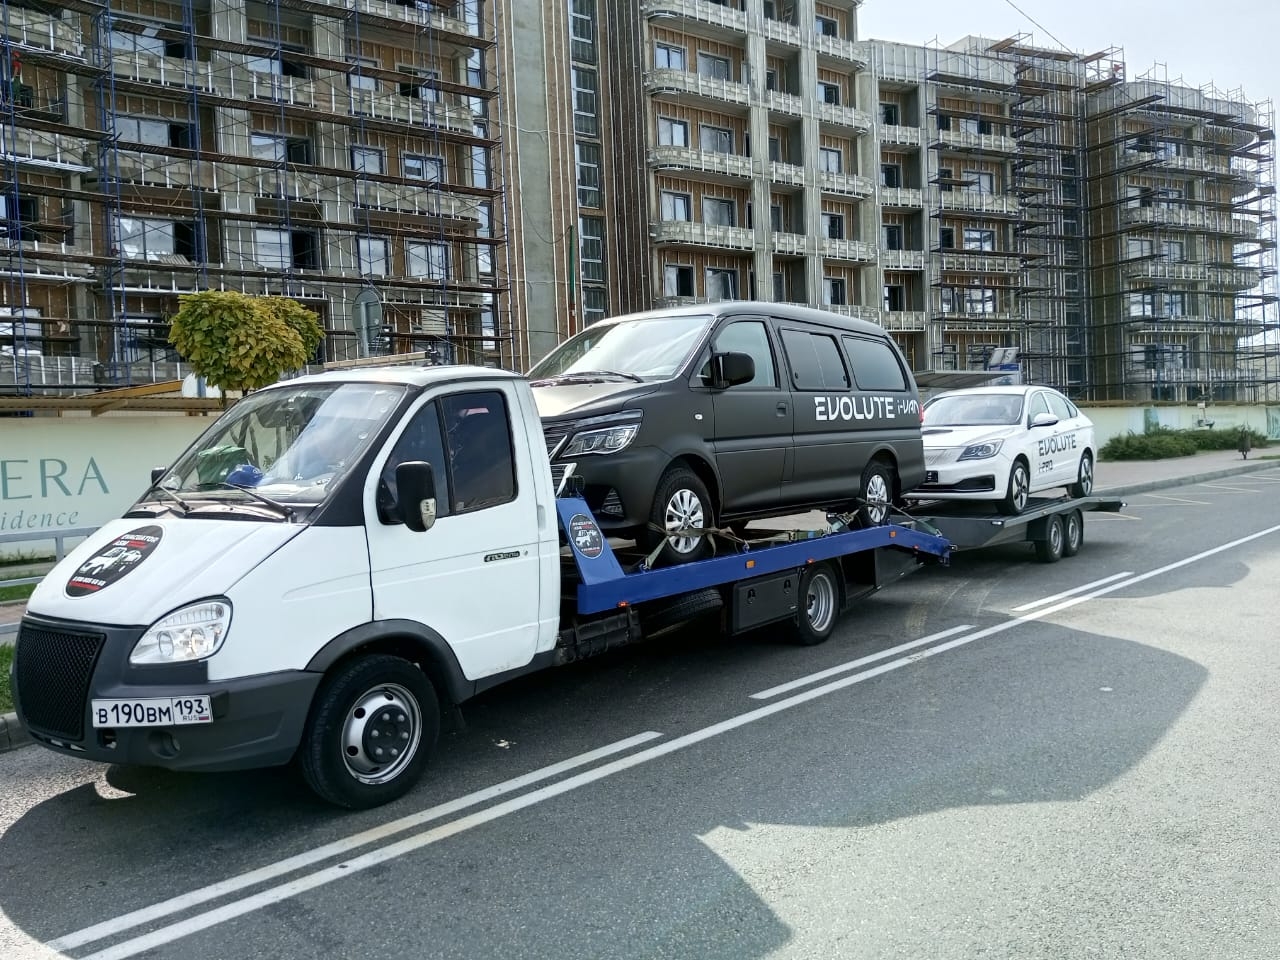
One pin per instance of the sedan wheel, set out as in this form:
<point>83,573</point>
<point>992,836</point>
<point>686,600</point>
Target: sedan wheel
<point>1019,490</point>
<point>1083,486</point>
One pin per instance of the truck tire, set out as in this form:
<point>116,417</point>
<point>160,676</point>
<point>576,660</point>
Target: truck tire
<point>876,503</point>
<point>371,704</point>
<point>1049,550</point>
<point>1073,528</point>
<point>659,616</point>
<point>819,605</point>
<point>1083,486</point>
<point>681,496</point>
<point>1019,490</point>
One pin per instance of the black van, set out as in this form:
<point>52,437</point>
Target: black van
<point>716,414</point>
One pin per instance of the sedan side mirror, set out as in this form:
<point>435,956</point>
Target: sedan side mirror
<point>1043,420</point>
<point>731,369</point>
<point>416,495</point>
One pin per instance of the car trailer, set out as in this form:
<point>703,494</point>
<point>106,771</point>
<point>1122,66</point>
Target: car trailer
<point>1055,526</point>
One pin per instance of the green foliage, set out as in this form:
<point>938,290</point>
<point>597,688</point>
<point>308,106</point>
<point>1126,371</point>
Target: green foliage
<point>1160,443</point>
<point>239,342</point>
<point>6,695</point>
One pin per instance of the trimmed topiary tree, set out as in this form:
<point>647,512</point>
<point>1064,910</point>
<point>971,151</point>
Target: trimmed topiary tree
<point>240,342</point>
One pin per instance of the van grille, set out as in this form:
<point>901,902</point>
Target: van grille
<point>554,434</point>
<point>52,669</point>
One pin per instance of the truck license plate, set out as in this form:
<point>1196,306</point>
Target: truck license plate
<point>152,712</point>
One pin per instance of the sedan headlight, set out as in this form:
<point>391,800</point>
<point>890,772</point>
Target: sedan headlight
<point>604,440</point>
<point>194,632</point>
<point>981,451</point>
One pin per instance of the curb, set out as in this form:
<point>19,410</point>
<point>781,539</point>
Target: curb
<point>1219,474</point>
<point>12,733</point>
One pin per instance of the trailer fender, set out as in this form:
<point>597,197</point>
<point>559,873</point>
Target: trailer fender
<point>407,638</point>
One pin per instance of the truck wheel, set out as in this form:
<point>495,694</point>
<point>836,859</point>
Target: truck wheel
<point>819,605</point>
<point>663,615</point>
<point>1074,534</point>
<point>877,494</point>
<point>372,729</point>
<point>1019,490</point>
<point>1049,550</point>
<point>681,501</point>
<point>1083,486</point>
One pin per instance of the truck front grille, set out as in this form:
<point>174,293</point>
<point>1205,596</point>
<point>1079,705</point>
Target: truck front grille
<point>52,669</point>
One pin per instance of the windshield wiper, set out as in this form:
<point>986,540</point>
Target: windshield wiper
<point>607,373</point>
<point>158,488</point>
<point>284,508</point>
<point>585,376</point>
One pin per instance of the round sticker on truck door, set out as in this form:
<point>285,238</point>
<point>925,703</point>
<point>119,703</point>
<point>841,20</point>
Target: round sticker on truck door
<point>113,561</point>
<point>586,536</point>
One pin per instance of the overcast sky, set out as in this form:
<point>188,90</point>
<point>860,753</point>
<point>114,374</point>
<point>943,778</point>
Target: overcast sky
<point>1232,44</point>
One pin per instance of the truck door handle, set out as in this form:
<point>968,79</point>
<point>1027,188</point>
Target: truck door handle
<point>782,409</point>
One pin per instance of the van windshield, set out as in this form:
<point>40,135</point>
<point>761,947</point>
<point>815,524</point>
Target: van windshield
<point>288,445</point>
<point>974,410</point>
<point>652,348</point>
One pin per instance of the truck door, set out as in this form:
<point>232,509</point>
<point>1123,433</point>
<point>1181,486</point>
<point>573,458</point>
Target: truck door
<point>473,577</point>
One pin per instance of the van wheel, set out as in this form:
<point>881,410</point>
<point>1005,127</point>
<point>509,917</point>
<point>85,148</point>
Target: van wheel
<point>681,503</point>
<point>877,494</point>
<point>373,727</point>
<point>1019,490</point>
<point>819,605</point>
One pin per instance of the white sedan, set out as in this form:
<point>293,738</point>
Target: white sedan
<point>1002,444</point>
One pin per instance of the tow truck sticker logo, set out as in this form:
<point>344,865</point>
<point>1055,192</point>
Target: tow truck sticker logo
<point>586,536</point>
<point>113,561</point>
<point>862,407</point>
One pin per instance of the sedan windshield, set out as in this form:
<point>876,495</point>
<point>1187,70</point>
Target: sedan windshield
<point>974,410</point>
<point>654,348</point>
<point>285,445</point>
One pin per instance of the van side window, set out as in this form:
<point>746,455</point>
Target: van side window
<point>477,430</point>
<point>752,338</point>
<point>875,367</point>
<point>815,361</point>
<point>423,441</point>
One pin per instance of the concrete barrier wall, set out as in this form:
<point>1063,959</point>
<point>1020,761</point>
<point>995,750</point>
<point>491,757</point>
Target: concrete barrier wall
<point>1117,421</point>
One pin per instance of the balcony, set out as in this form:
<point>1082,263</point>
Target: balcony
<point>784,33</point>
<point>979,263</point>
<point>176,71</point>
<point>901,197</point>
<point>846,184</point>
<point>688,82</point>
<point>1193,375</point>
<point>903,259</point>
<point>838,48</point>
<point>700,10</point>
<point>417,200</point>
<point>790,244</point>
<point>855,310</point>
<point>843,116</point>
<point>970,200</point>
<point>780,102</point>
<point>904,320</point>
<point>1191,219</point>
<point>37,150</point>
<point>1160,270</point>
<point>154,170</point>
<point>703,235</point>
<point>787,173</point>
<point>418,15</point>
<point>42,31</point>
<point>413,111</point>
<point>902,136</point>
<point>700,161</point>
<point>853,250</point>
<point>966,142</point>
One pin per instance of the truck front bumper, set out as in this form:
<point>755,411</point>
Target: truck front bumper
<point>60,667</point>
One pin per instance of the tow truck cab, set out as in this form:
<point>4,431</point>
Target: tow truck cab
<point>338,560</point>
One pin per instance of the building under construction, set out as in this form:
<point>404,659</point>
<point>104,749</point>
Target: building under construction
<point>339,154</point>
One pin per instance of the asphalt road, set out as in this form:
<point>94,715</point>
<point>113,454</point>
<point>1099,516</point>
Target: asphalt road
<point>1089,777</point>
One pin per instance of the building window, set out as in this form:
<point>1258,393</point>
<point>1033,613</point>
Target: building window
<point>984,240</point>
<point>715,139</point>
<point>829,93</point>
<point>673,133</point>
<point>721,284</point>
<point>677,281</point>
<point>947,238</point>
<point>779,288</point>
<point>976,181</point>
<point>944,122</point>
<point>145,239</point>
<point>582,30</point>
<point>588,162</point>
<point>595,304</point>
<point>833,226</point>
<point>418,166</point>
<point>1175,251</point>
<point>428,259</point>
<point>367,160</point>
<point>676,206</point>
<point>833,291</point>
<point>271,248</point>
<point>267,147</point>
<point>776,222</point>
<point>586,108</point>
<point>279,67</point>
<point>830,160</point>
<point>372,256</point>
<point>775,150</point>
<point>475,69</point>
<point>889,114</point>
<point>716,68</point>
<point>1138,248</point>
<point>357,79</point>
<point>979,300</point>
<point>150,46</point>
<point>1140,304</point>
<point>826,27</point>
<point>718,212</point>
<point>667,56</point>
<point>891,236</point>
<point>976,125</point>
<point>890,175</point>
<point>424,88</point>
<point>771,80</point>
<point>146,130</point>
<point>480,158</point>
<point>945,176</point>
<point>1175,304</point>
<point>591,244</point>
<point>895,297</point>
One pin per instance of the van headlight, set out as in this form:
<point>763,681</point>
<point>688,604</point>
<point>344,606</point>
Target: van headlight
<point>606,438</point>
<point>194,632</point>
<point>981,451</point>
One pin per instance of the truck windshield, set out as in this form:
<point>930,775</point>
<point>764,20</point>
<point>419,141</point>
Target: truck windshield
<point>289,445</point>
<point>974,410</point>
<point>652,348</point>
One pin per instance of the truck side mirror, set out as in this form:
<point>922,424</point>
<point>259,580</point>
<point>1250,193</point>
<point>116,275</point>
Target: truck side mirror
<point>416,495</point>
<point>731,369</point>
<point>157,473</point>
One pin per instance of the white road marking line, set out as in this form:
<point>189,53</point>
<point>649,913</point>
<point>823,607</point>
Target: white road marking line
<point>136,918</point>
<point>1233,489</point>
<point>854,664</point>
<point>204,921</point>
<point>1072,592</point>
<point>1160,496</point>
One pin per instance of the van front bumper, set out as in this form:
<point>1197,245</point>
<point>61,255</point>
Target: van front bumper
<point>60,667</point>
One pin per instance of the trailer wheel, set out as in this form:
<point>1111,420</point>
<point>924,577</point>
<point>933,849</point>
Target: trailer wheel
<point>1049,550</point>
<point>1074,534</point>
<point>372,730</point>
<point>819,605</point>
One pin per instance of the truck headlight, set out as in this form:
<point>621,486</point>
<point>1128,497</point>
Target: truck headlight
<point>608,439</point>
<point>981,451</point>
<point>194,632</point>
